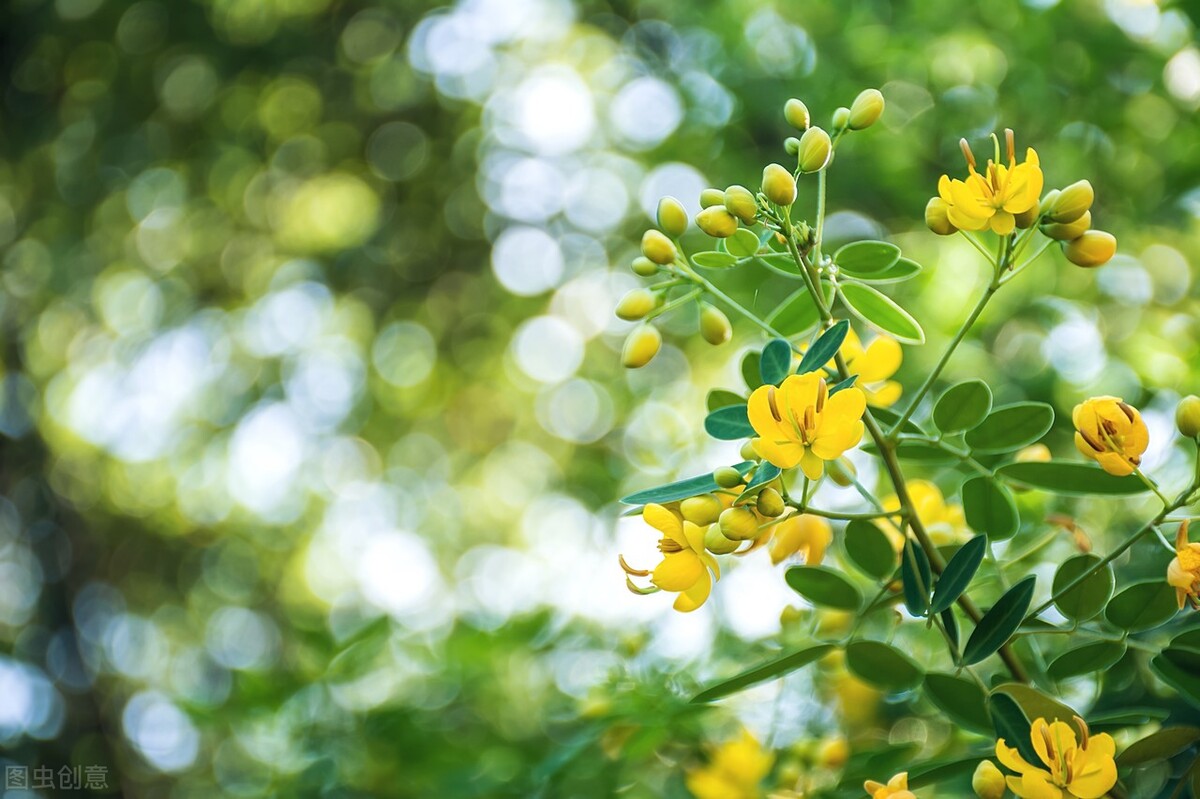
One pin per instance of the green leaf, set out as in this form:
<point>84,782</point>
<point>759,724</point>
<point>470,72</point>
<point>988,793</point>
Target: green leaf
<point>1011,427</point>
<point>1188,639</point>
<point>958,573</point>
<point>825,587</point>
<point>1000,622</point>
<point>781,263</point>
<point>1161,745</point>
<point>942,771</point>
<point>742,244</point>
<point>1086,659</point>
<point>990,508</point>
<point>797,314</point>
<point>1171,665</point>
<point>878,310</point>
<point>1086,600</point>
<point>765,473</point>
<point>775,363</point>
<point>1120,718</point>
<point>951,626</point>
<point>903,269</point>
<point>882,665</point>
<point>1067,477</point>
<point>888,418</point>
<point>869,549</point>
<point>962,406</point>
<point>960,698</point>
<point>843,384</point>
<point>722,398</point>
<point>766,671</point>
<point>916,578</point>
<point>682,489</point>
<point>1142,606</point>
<point>824,348</point>
<point>729,423</point>
<point>866,258</point>
<point>1035,704</point>
<point>750,369</point>
<point>1012,725</point>
<point>714,260</point>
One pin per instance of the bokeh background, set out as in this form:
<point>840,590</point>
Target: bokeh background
<point>312,418</point>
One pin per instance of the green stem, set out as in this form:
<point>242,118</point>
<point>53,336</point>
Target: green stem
<point>844,517</point>
<point>820,217</point>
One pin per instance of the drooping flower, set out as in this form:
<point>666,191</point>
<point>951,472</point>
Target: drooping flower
<point>687,568</point>
<point>735,770</point>
<point>993,199</point>
<point>801,532</point>
<point>874,364</point>
<point>1184,570</point>
<point>896,788</point>
<point>1082,768</point>
<point>1110,432</point>
<point>799,422</point>
<point>944,522</point>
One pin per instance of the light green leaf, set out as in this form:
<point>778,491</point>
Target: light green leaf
<point>722,398</point>
<point>797,314</point>
<point>962,406</point>
<point>766,671</point>
<point>866,258</point>
<point>742,244</point>
<point>990,508</point>
<point>901,270</point>
<point>870,549</point>
<point>714,260</point>
<point>880,311</point>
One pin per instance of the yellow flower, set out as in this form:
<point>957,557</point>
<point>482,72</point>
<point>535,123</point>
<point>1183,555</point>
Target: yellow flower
<point>799,423</point>
<point>1184,569</point>
<point>896,788</point>
<point>686,564</point>
<point>802,532</point>
<point>945,523</point>
<point>1110,432</point>
<point>1075,769</point>
<point>735,771</point>
<point>992,200</point>
<point>874,365</point>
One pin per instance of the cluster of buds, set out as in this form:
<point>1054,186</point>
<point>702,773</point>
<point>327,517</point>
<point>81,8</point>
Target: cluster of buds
<point>814,148</point>
<point>1066,216</point>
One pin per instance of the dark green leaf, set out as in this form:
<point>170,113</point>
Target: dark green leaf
<point>713,259</point>
<point>672,492</point>
<point>942,771</point>
<point>990,508</point>
<point>1086,600</point>
<point>729,423</point>
<point>843,384</point>
<point>720,398</point>
<point>1011,725</point>
<point>882,665</point>
<point>1000,622</point>
<point>962,406</point>
<point>951,625</point>
<point>766,671</point>
<point>824,587</point>
<point>916,578</point>
<point>870,549</point>
<point>1185,680</point>
<point>1161,745</point>
<point>824,348</point>
<point>775,363</point>
<point>888,419</point>
<point>880,311</point>
<point>1142,606</point>
<point>1011,427</point>
<point>750,369</point>
<point>1086,659</point>
<point>765,473</point>
<point>958,573</point>
<point>959,698</point>
<point>1068,477</point>
<point>866,258</point>
<point>1035,704</point>
<point>1188,639</point>
<point>797,314</point>
<point>743,243</point>
<point>1120,718</point>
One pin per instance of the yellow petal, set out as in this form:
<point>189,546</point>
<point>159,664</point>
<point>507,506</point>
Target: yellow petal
<point>765,410</point>
<point>799,392</point>
<point>1114,463</point>
<point>1003,223</point>
<point>1036,785</point>
<point>849,404</point>
<point>833,440</point>
<point>678,571</point>
<point>884,395</point>
<point>1095,773</point>
<point>879,361</point>
<point>782,453</point>
<point>1011,759</point>
<point>1060,734</point>
<point>944,189</point>
<point>695,596</point>
<point>812,466</point>
<point>963,221</point>
<point>663,520</point>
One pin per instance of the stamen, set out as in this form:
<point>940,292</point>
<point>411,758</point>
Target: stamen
<point>1110,427</point>
<point>772,405</point>
<point>1091,442</point>
<point>967,154</point>
<point>1083,732</point>
<point>650,589</point>
<point>1010,140</point>
<point>822,394</point>
<point>669,545</point>
<point>1181,538</point>
<point>1128,411</point>
<point>630,570</point>
<point>810,420</point>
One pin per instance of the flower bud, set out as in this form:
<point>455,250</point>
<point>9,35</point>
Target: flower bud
<point>833,753</point>
<point>937,217</point>
<point>643,266</point>
<point>791,145</point>
<point>988,781</point>
<point>714,325</point>
<point>1071,202</point>
<point>770,503</point>
<point>701,510</point>
<point>841,472</point>
<point>815,150</point>
<point>778,184</point>
<point>1068,231</point>
<point>748,452</point>
<point>636,304</point>
<point>739,524</point>
<point>1034,453</point>
<point>1187,416</point>
<point>796,114</point>
<point>657,247</point>
<point>1093,248</point>
<point>717,543</point>
<point>866,109</point>
<point>672,219</point>
<point>641,346</point>
<point>741,203</point>
<point>1026,219</point>
<point>711,197</point>
<point>717,222</point>
<point>727,477</point>
<point>841,118</point>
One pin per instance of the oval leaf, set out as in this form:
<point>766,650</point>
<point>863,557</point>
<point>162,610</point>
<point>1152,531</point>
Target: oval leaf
<point>825,347</point>
<point>775,363</point>
<point>882,665</point>
<point>714,260</point>
<point>889,418</point>
<point>866,258</point>
<point>742,244</point>
<point>767,671</point>
<point>916,577</point>
<point>958,573</point>
<point>682,489</point>
<point>825,587</point>
<point>721,398</point>
<point>869,549</point>
<point>959,698</point>
<point>1086,659</point>
<point>1172,668</point>
<point>962,406</point>
<point>1161,745</point>
<point>1011,725</point>
<point>990,508</point>
<point>1067,477</point>
<point>1000,622</point>
<point>729,423</point>
<point>797,314</point>
<point>1011,427</point>
<point>880,311</point>
<point>750,369</point>
<point>1035,704</point>
<point>1088,598</point>
<point>903,269</point>
<point>1142,606</point>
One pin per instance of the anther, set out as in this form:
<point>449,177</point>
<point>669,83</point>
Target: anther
<point>772,405</point>
<point>630,570</point>
<point>967,154</point>
<point>822,394</point>
<point>1010,140</point>
<point>1128,411</point>
<point>1091,442</point>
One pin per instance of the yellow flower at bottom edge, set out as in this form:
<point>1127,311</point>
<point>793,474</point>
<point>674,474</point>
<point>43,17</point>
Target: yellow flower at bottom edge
<point>944,522</point>
<point>1110,432</point>
<point>896,788</point>
<point>994,199</point>
<point>801,532</point>
<point>1184,570</point>
<point>799,422</point>
<point>1075,769</point>
<point>874,364</point>
<point>735,771</point>
<point>686,565</point>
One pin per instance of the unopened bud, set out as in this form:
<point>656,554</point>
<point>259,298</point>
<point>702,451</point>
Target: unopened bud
<point>739,524</point>
<point>641,346</point>
<point>672,219</point>
<point>658,248</point>
<point>791,145</point>
<point>701,510</point>
<point>1068,231</point>
<point>740,202</point>
<point>796,114</point>
<point>1034,453</point>
<point>833,753</point>
<point>866,109</point>
<point>770,503</point>
<point>644,266</point>
<point>841,472</point>
<point>714,325</point>
<point>1071,202</point>
<point>1187,416</point>
<point>716,543</point>
<point>815,150</point>
<point>1027,218</point>
<point>748,452</point>
<point>636,304</point>
<point>841,118</point>
<point>988,781</point>
<point>778,184</point>
<point>727,477</point>
<point>1093,248</point>
<point>717,222</point>
<point>937,217</point>
<point>711,197</point>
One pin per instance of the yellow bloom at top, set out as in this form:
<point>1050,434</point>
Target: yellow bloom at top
<point>1110,432</point>
<point>896,788</point>
<point>686,564</point>
<point>874,364</point>
<point>735,771</point>
<point>993,199</point>
<point>1075,769</point>
<point>944,522</point>
<point>1184,570</point>
<point>798,422</point>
